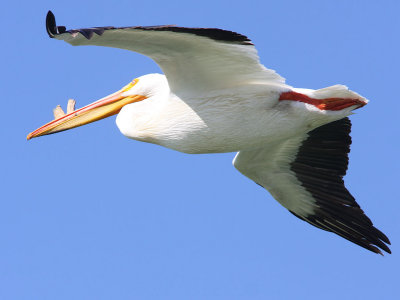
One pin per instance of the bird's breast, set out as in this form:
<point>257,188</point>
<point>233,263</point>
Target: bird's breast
<point>208,126</point>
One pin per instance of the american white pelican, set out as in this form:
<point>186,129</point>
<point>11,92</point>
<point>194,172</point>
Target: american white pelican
<point>215,96</point>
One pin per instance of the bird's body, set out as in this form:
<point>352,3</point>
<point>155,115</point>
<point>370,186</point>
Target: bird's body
<point>229,120</point>
<point>216,97</point>
<point>204,123</point>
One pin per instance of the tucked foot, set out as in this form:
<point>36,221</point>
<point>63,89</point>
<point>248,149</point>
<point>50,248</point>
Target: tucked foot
<point>332,103</point>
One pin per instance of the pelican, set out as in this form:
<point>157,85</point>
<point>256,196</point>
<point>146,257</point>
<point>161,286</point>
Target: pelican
<point>216,97</point>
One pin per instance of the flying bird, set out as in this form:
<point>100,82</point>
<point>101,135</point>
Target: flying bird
<point>216,97</point>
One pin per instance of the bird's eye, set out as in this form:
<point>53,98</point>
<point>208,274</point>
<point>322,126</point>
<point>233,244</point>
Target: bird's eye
<point>130,85</point>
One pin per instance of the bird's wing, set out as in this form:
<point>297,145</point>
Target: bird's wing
<point>305,174</point>
<point>192,59</point>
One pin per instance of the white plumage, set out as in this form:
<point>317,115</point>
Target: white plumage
<point>215,97</point>
<point>221,120</point>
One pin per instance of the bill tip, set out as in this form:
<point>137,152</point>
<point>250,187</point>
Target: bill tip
<point>29,136</point>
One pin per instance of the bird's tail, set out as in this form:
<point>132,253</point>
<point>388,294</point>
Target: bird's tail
<point>332,98</point>
<point>338,91</point>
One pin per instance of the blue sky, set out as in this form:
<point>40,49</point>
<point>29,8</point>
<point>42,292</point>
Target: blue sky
<point>89,214</point>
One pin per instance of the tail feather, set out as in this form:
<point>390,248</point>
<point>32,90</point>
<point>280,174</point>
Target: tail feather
<point>334,91</point>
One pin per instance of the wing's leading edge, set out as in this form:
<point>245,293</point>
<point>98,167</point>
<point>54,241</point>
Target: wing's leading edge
<point>193,59</point>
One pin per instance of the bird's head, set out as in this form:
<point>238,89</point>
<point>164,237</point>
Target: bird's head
<point>139,89</point>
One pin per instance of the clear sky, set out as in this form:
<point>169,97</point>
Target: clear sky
<point>90,214</point>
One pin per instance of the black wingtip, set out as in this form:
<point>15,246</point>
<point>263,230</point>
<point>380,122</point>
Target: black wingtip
<point>320,164</point>
<point>51,26</point>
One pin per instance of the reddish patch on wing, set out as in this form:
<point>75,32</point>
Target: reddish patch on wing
<point>323,104</point>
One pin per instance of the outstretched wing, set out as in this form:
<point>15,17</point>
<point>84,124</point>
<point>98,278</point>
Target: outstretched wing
<point>305,174</point>
<point>193,59</point>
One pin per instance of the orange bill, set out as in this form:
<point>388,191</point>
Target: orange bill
<point>95,111</point>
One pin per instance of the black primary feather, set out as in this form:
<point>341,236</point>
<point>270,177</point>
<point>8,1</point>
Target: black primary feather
<point>320,165</point>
